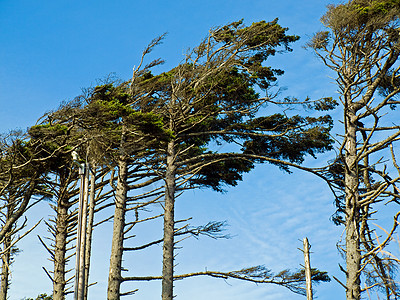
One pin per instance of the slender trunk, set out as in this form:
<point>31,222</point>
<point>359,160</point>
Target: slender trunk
<point>115,278</point>
<point>5,269</point>
<point>6,258</point>
<point>169,222</point>
<point>307,269</point>
<point>81,288</point>
<point>353,255</point>
<point>89,230</point>
<point>82,170</point>
<point>59,281</point>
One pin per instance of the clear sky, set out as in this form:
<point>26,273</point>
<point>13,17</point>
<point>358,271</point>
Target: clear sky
<point>50,50</point>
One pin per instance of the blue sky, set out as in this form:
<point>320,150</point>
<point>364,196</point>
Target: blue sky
<point>50,50</point>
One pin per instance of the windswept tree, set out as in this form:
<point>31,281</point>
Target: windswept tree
<point>362,46</point>
<point>22,168</point>
<point>124,137</point>
<point>57,130</point>
<point>64,128</point>
<point>211,98</point>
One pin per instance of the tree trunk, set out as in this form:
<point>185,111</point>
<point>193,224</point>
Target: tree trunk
<point>114,278</point>
<point>6,258</point>
<point>169,222</point>
<point>353,255</point>
<point>82,252</point>
<point>82,171</point>
<point>89,230</point>
<point>307,269</point>
<point>5,269</point>
<point>59,281</point>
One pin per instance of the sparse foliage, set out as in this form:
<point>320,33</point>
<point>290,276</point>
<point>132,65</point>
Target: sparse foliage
<point>362,47</point>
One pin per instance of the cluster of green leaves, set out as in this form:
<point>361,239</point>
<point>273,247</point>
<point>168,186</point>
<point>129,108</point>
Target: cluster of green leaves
<point>19,152</point>
<point>110,105</point>
<point>262,39</point>
<point>375,7</point>
<point>263,34</point>
<point>290,138</point>
<point>53,143</point>
<point>222,173</point>
<point>358,14</point>
<point>295,280</point>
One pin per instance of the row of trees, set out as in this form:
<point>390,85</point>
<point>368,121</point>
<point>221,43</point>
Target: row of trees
<point>139,144</point>
<point>158,131</point>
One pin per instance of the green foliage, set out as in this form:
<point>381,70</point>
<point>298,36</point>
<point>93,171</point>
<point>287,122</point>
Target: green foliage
<point>370,15</point>
<point>42,130</point>
<point>262,35</point>
<point>289,143</point>
<point>53,144</point>
<point>294,281</point>
<point>318,276</point>
<point>110,93</point>
<point>374,8</point>
<point>19,152</point>
<point>260,40</point>
<point>324,104</point>
<point>222,173</point>
<point>388,86</point>
<point>110,104</point>
<point>110,108</point>
<point>210,104</point>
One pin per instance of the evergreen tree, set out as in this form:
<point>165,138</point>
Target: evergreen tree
<point>211,98</point>
<point>361,45</point>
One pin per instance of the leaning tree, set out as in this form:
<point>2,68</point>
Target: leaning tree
<point>210,98</point>
<point>23,166</point>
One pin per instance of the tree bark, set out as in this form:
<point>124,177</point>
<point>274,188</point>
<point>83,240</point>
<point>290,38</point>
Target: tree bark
<point>82,252</point>
<point>89,230</point>
<point>169,223</point>
<point>115,278</point>
<point>6,258</point>
<point>353,255</point>
<point>82,171</point>
<point>59,281</point>
<point>307,269</point>
<point>5,269</point>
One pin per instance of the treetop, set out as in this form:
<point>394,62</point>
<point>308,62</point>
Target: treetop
<point>359,14</point>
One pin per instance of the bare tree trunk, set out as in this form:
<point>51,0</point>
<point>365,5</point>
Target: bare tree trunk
<point>5,269</point>
<point>307,269</point>
<point>82,241</point>
<point>61,235</point>
<point>89,230</point>
<point>353,255</point>
<point>114,279</point>
<point>82,171</point>
<point>169,222</point>
<point>6,258</point>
